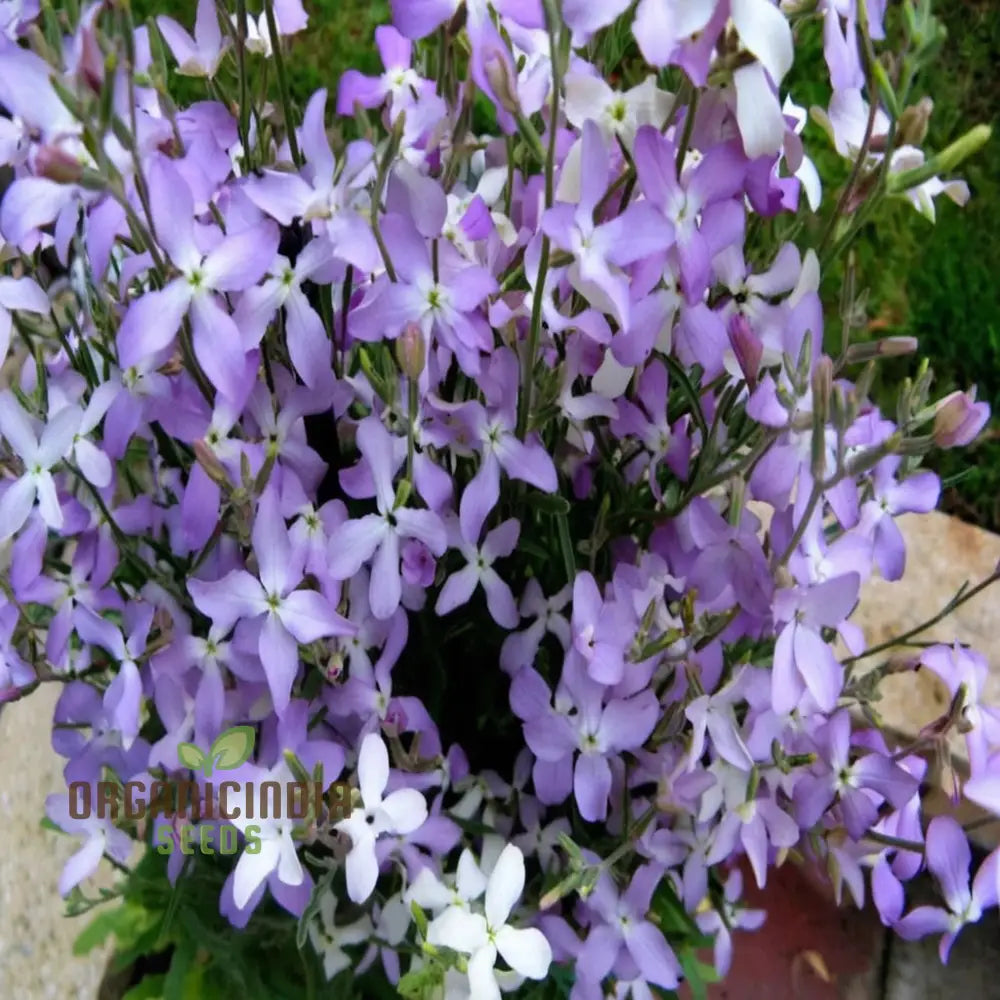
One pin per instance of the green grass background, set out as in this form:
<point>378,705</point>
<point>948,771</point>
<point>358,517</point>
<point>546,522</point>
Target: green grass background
<point>937,282</point>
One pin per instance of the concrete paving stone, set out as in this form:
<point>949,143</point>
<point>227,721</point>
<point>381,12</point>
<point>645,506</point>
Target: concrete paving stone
<point>36,939</point>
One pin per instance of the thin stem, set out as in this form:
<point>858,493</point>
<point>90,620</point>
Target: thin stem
<point>552,23</point>
<point>279,66</point>
<point>689,118</point>
<point>241,47</point>
<point>800,528</point>
<point>631,837</point>
<point>897,842</point>
<point>413,402</point>
<point>956,602</point>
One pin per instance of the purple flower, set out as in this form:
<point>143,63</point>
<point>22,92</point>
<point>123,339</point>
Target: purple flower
<point>958,419</point>
<point>100,835</point>
<point>599,631</point>
<point>38,454</point>
<point>16,294</point>
<point>330,198</point>
<point>493,430</point>
<point>478,570</point>
<point>308,343</point>
<point>701,207</point>
<point>580,722</point>
<point>859,786</point>
<point>200,55</point>
<point>949,858</point>
<point>731,917</point>
<point>445,305</point>
<point>803,661</point>
<point>600,249</point>
<point>916,493</point>
<point>621,925</point>
<point>234,263</point>
<point>966,669</point>
<point>289,616</point>
<point>519,648</point>
<point>398,81</point>
<point>378,536</point>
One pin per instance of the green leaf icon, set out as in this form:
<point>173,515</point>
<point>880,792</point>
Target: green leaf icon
<point>190,756</point>
<point>232,748</point>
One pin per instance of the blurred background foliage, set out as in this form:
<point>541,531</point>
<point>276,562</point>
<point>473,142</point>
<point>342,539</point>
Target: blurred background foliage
<point>939,282</point>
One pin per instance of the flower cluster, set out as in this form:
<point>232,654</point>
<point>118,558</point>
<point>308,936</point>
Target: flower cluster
<point>487,451</point>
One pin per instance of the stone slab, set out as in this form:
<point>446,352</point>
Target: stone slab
<point>36,939</point>
<point>943,553</point>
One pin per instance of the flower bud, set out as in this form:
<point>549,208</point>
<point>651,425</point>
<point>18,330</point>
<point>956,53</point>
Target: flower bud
<point>418,564</point>
<point>501,80</point>
<point>887,347</point>
<point>959,419</point>
<point>90,67</point>
<point>411,353</point>
<point>207,459</point>
<point>822,388</point>
<point>747,346</point>
<point>57,165</point>
<point>914,121</point>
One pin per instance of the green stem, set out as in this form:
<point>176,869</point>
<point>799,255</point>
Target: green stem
<point>553,25</point>
<point>279,66</point>
<point>689,118</point>
<point>413,401</point>
<point>800,528</point>
<point>956,602</point>
<point>898,842</point>
<point>241,46</point>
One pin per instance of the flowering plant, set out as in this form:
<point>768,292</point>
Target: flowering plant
<point>488,452</point>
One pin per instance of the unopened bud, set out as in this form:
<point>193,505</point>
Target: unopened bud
<point>747,346</point>
<point>959,419</point>
<point>90,67</point>
<point>496,65</point>
<point>411,353</point>
<point>208,460</point>
<point>913,122</point>
<point>887,347</point>
<point>57,165</point>
<point>839,409</point>
<point>822,388</point>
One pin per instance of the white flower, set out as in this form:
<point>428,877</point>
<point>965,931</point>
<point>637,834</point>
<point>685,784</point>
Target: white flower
<point>481,937</point>
<point>764,33</point>
<point>258,35</point>
<point>329,940</point>
<point>616,114</point>
<point>39,455</point>
<point>272,847</point>
<point>431,893</point>
<point>402,812</point>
